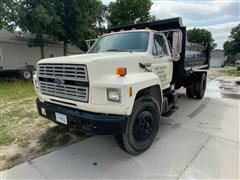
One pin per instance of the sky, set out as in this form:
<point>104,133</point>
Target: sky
<point>217,16</point>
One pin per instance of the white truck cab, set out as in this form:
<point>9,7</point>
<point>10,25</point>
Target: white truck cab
<point>124,84</point>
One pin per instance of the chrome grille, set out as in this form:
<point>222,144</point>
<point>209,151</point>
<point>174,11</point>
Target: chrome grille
<point>75,72</point>
<point>64,91</point>
<point>64,80</point>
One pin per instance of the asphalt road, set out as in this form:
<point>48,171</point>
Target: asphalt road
<point>199,140</point>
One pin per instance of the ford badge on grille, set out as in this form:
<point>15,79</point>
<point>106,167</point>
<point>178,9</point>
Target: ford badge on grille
<point>58,81</point>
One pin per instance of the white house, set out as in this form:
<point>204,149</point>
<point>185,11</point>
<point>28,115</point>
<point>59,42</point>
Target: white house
<point>16,57</point>
<point>217,58</point>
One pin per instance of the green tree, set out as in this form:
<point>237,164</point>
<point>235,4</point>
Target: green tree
<point>232,45</point>
<point>36,17</point>
<point>102,14</point>
<point>8,14</point>
<point>76,21</point>
<point>228,49</point>
<point>124,12</point>
<point>197,35</point>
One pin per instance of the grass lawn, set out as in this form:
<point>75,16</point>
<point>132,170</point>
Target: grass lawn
<point>231,71</point>
<point>24,135</point>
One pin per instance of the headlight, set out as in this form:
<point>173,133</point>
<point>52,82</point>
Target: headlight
<point>114,95</point>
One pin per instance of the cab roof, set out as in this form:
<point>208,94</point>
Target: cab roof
<point>127,31</point>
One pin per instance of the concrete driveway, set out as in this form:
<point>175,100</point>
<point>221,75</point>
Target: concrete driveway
<point>199,140</point>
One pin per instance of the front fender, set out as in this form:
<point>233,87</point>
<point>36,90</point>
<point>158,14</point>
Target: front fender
<point>137,81</point>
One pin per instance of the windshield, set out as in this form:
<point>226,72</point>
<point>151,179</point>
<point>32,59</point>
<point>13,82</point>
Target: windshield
<point>128,41</point>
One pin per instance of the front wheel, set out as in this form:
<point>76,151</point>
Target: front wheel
<point>142,126</point>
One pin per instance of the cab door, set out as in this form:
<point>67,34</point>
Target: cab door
<point>162,63</point>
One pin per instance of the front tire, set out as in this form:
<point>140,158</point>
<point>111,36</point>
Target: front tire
<point>142,126</point>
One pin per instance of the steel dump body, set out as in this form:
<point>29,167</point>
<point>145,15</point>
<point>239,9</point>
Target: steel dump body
<point>193,56</point>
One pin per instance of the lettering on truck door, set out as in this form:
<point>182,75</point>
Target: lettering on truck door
<point>161,63</point>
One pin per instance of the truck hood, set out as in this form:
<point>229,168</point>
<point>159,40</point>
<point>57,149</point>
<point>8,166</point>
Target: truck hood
<point>100,65</point>
<point>89,58</point>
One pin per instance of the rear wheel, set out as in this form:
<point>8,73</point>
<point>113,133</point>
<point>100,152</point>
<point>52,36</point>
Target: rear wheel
<point>26,74</point>
<point>197,85</point>
<point>200,86</point>
<point>190,90</point>
<point>142,126</point>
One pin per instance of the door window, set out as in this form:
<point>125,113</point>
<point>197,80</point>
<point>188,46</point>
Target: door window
<point>159,46</point>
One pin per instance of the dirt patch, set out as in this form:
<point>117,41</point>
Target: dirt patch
<point>213,73</point>
<point>24,135</point>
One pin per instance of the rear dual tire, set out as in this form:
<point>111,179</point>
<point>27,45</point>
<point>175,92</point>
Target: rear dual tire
<point>197,87</point>
<point>200,87</point>
<point>142,126</point>
<point>190,90</point>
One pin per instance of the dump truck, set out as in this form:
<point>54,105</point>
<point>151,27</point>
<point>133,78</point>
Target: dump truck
<point>125,83</point>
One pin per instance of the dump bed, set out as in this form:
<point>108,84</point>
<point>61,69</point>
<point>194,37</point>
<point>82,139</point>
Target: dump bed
<point>193,56</point>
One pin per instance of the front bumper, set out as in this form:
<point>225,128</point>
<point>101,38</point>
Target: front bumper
<point>94,123</point>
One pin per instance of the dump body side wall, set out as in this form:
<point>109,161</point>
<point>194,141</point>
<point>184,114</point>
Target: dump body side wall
<point>193,57</point>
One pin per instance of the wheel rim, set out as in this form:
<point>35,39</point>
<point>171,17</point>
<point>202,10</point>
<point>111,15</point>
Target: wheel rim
<point>143,126</point>
<point>27,75</point>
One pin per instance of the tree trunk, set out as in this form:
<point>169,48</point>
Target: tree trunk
<point>65,46</point>
<point>42,52</point>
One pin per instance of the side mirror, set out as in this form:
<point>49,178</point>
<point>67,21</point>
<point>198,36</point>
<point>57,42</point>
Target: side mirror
<point>90,42</point>
<point>176,45</point>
